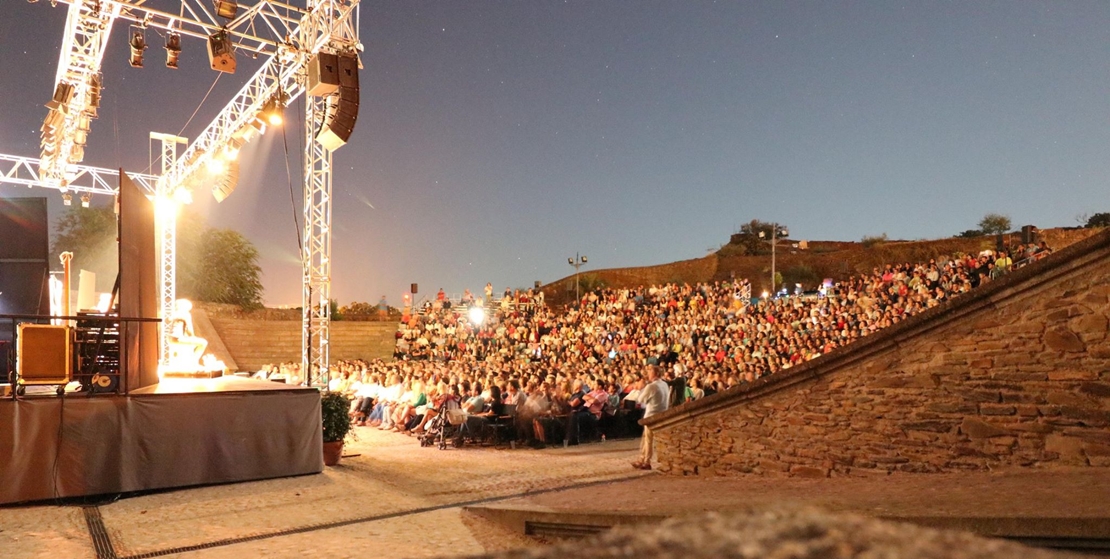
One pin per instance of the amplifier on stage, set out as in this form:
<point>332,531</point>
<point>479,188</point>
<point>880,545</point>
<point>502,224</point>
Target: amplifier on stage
<point>44,354</point>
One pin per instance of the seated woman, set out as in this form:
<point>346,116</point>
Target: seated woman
<point>406,408</point>
<point>445,398</point>
<point>477,424</point>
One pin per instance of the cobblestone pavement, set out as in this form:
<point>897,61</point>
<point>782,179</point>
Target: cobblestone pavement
<point>393,499</point>
<point>1071,493</point>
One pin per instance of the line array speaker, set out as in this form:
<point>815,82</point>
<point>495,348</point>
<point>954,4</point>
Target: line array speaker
<point>342,106</point>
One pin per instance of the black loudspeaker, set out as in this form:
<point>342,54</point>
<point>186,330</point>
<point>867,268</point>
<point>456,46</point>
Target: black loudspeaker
<point>413,288</point>
<point>342,111</point>
<point>1028,234</point>
<point>323,75</point>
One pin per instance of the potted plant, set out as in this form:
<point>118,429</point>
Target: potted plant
<point>337,423</point>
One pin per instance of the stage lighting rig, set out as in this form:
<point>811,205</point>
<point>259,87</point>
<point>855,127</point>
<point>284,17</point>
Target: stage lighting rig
<point>173,50</point>
<point>227,9</point>
<point>67,199</point>
<point>85,200</point>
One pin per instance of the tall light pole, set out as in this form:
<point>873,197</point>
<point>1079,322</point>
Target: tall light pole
<point>776,232</point>
<point>578,261</point>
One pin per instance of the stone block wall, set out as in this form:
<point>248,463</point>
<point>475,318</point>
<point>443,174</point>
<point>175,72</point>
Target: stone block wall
<point>1014,374</point>
<point>254,343</point>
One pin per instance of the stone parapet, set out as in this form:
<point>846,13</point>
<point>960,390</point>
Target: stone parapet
<point>1016,373</point>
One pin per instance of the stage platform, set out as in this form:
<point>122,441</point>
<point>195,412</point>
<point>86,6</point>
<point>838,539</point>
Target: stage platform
<point>177,433</point>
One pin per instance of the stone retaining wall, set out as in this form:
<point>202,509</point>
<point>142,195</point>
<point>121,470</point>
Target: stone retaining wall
<point>1016,373</point>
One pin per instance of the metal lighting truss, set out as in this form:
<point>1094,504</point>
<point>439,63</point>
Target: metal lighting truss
<point>328,25</point>
<point>88,27</point>
<point>298,34</point>
<point>166,228</point>
<point>81,179</point>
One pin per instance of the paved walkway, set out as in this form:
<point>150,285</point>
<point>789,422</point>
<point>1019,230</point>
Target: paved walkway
<point>394,499</point>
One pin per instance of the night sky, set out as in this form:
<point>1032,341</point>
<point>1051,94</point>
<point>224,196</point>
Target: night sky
<point>497,138</point>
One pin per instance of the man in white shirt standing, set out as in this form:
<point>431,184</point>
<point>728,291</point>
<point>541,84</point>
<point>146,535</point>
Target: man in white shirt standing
<point>653,398</point>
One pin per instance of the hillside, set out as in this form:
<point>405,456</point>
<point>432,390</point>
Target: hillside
<point>822,259</point>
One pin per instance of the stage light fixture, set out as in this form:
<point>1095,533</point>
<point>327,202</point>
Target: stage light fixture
<point>67,199</point>
<point>85,200</point>
<point>63,94</point>
<point>173,49</point>
<point>138,45</point>
<point>221,52</point>
<point>227,9</point>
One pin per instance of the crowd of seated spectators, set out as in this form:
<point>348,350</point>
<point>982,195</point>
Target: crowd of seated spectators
<point>574,374</point>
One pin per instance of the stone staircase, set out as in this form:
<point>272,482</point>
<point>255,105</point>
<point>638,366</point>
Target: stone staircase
<point>254,343</point>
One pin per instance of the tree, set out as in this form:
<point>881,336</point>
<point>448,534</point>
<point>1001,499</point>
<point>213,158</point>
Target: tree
<point>970,234</point>
<point>228,270</point>
<point>90,234</point>
<point>992,224</point>
<point>1099,220</point>
<point>749,238</point>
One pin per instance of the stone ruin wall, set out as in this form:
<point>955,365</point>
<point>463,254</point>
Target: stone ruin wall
<point>1019,378</point>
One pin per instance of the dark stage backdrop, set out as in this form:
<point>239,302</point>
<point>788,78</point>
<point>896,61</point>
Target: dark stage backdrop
<point>138,286</point>
<point>24,264</point>
<point>24,254</point>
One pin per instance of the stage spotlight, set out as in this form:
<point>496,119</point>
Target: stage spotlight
<point>173,49</point>
<point>584,259</point>
<point>231,152</point>
<point>227,9</point>
<point>272,111</point>
<point>67,199</point>
<point>85,200</point>
<point>138,45</point>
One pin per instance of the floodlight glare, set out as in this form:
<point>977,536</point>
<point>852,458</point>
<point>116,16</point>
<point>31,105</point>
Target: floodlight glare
<point>67,199</point>
<point>215,165</point>
<point>85,199</point>
<point>477,315</point>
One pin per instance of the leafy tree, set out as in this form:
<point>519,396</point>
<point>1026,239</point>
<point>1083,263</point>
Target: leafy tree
<point>992,224</point>
<point>229,270</point>
<point>1101,219</point>
<point>219,266</point>
<point>749,238</point>
<point>90,234</point>
<point>970,234</point>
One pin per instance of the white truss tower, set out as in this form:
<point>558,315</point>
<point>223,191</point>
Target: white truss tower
<point>165,216</point>
<point>316,257</point>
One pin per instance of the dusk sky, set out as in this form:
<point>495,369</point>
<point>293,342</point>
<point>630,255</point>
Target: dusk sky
<point>497,138</point>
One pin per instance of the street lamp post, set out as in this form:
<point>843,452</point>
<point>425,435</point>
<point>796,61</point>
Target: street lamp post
<point>776,232</point>
<point>578,261</point>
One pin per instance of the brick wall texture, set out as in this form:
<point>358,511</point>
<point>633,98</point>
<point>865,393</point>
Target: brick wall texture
<point>1015,374</point>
